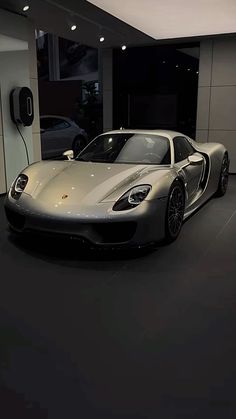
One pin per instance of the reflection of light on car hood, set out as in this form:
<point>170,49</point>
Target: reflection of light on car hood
<point>85,183</point>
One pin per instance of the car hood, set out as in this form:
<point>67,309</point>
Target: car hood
<point>86,183</point>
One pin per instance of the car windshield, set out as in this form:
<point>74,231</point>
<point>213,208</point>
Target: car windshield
<point>127,148</point>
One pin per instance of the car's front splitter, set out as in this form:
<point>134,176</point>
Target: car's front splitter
<point>127,228</point>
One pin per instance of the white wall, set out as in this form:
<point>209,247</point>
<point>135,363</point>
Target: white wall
<point>14,71</point>
<point>33,74</point>
<point>17,68</point>
<point>2,157</point>
<point>216,114</point>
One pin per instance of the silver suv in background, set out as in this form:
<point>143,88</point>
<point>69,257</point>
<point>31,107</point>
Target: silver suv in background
<point>58,134</point>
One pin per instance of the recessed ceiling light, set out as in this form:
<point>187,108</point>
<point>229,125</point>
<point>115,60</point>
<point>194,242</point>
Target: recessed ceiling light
<point>73,27</point>
<point>123,47</point>
<point>26,8</point>
<point>101,39</point>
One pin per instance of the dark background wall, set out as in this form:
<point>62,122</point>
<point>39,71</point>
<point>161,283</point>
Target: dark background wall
<point>59,97</point>
<point>68,81</point>
<point>156,87</point>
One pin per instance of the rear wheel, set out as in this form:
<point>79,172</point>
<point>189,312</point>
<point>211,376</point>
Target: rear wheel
<point>174,212</point>
<point>224,176</point>
<point>78,144</point>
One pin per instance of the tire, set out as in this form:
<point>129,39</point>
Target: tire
<point>78,144</point>
<point>174,212</point>
<point>224,176</point>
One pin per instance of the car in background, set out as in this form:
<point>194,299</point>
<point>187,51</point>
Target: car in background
<point>59,133</point>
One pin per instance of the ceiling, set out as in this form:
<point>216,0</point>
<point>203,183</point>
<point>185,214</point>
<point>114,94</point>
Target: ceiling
<point>92,22</point>
<point>168,19</point>
<point>130,22</point>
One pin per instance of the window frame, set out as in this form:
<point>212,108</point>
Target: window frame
<point>188,142</point>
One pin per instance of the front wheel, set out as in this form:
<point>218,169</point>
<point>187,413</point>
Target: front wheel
<point>224,176</point>
<point>174,212</point>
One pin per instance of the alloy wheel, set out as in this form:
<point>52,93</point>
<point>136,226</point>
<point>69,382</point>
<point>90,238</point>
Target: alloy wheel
<point>175,210</point>
<point>224,174</point>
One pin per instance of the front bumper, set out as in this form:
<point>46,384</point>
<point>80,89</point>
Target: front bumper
<point>143,225</point>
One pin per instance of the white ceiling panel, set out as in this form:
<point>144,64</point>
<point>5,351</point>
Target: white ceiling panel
<point>166,19</point>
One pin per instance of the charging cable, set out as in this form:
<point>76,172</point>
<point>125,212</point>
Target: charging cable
<point>26,149</point>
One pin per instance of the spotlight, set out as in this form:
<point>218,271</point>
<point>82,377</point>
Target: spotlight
<point>123,47</point>
<point>73,28</point>
<point>189,69</point>
<point>177,66</point>
<point>26,8</point>
<point>101,39</point>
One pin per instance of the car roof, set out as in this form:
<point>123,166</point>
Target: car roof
<point>167,133</point>
<point>55,116</point>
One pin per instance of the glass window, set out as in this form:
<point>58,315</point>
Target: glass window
<point>49,124</point>
<point>182,148</point>
<point>128,148</point>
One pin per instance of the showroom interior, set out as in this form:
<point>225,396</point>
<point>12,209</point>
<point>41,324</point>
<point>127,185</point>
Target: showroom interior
<point>109,332</point>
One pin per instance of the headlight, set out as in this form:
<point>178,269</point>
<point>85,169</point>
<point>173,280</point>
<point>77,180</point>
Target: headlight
<point>132,198</point>
<point>19,186</point>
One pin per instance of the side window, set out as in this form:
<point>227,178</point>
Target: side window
<point>182,148</point>
<point>52,124</point>
<point>46,123</point>
<point>60,124</point>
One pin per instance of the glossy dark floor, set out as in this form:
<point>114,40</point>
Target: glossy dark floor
<point>107,336</point>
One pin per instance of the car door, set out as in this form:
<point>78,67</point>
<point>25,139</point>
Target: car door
<point>193,172</point>
<point>56,136</point>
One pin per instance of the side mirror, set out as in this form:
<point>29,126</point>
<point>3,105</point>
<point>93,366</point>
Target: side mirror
<point>195,159</point>
<point>69,154</point>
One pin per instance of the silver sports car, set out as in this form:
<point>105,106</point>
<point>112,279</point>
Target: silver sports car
<point>125,188</point>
